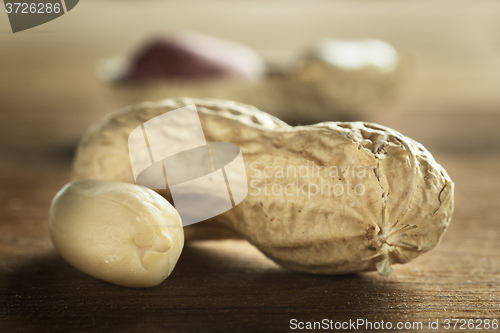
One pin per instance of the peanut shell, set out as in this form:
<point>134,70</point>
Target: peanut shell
<point>400,200</point>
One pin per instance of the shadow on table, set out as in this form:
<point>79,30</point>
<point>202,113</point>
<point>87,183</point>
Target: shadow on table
<point>206,292</point>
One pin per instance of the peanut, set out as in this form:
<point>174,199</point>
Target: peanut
<point>395,205</point>
<point>190,55</point>
<point>121,233</point>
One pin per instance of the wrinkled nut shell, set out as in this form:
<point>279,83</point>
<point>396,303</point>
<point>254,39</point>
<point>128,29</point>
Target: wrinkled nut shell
<point>405,208</point>
<point>121,233</point>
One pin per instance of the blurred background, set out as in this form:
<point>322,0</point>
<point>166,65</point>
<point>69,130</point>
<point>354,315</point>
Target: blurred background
<point>451,51</point>
<point>444,93</point>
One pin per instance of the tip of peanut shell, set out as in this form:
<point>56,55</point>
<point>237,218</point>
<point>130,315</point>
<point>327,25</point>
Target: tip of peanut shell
<point>384,268</point>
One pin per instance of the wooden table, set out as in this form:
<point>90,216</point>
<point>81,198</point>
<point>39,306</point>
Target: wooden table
<point>49,95</point>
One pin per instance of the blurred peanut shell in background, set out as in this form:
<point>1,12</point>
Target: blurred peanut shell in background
<point>333,80</point>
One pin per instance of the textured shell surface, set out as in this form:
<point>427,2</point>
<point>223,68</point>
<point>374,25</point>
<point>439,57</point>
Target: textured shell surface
<point>329,198</point>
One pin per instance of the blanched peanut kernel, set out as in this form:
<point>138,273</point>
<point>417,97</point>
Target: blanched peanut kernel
<point>121,233</point>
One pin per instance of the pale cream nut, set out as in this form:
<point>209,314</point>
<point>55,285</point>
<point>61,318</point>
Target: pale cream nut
<point>120,233</point>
